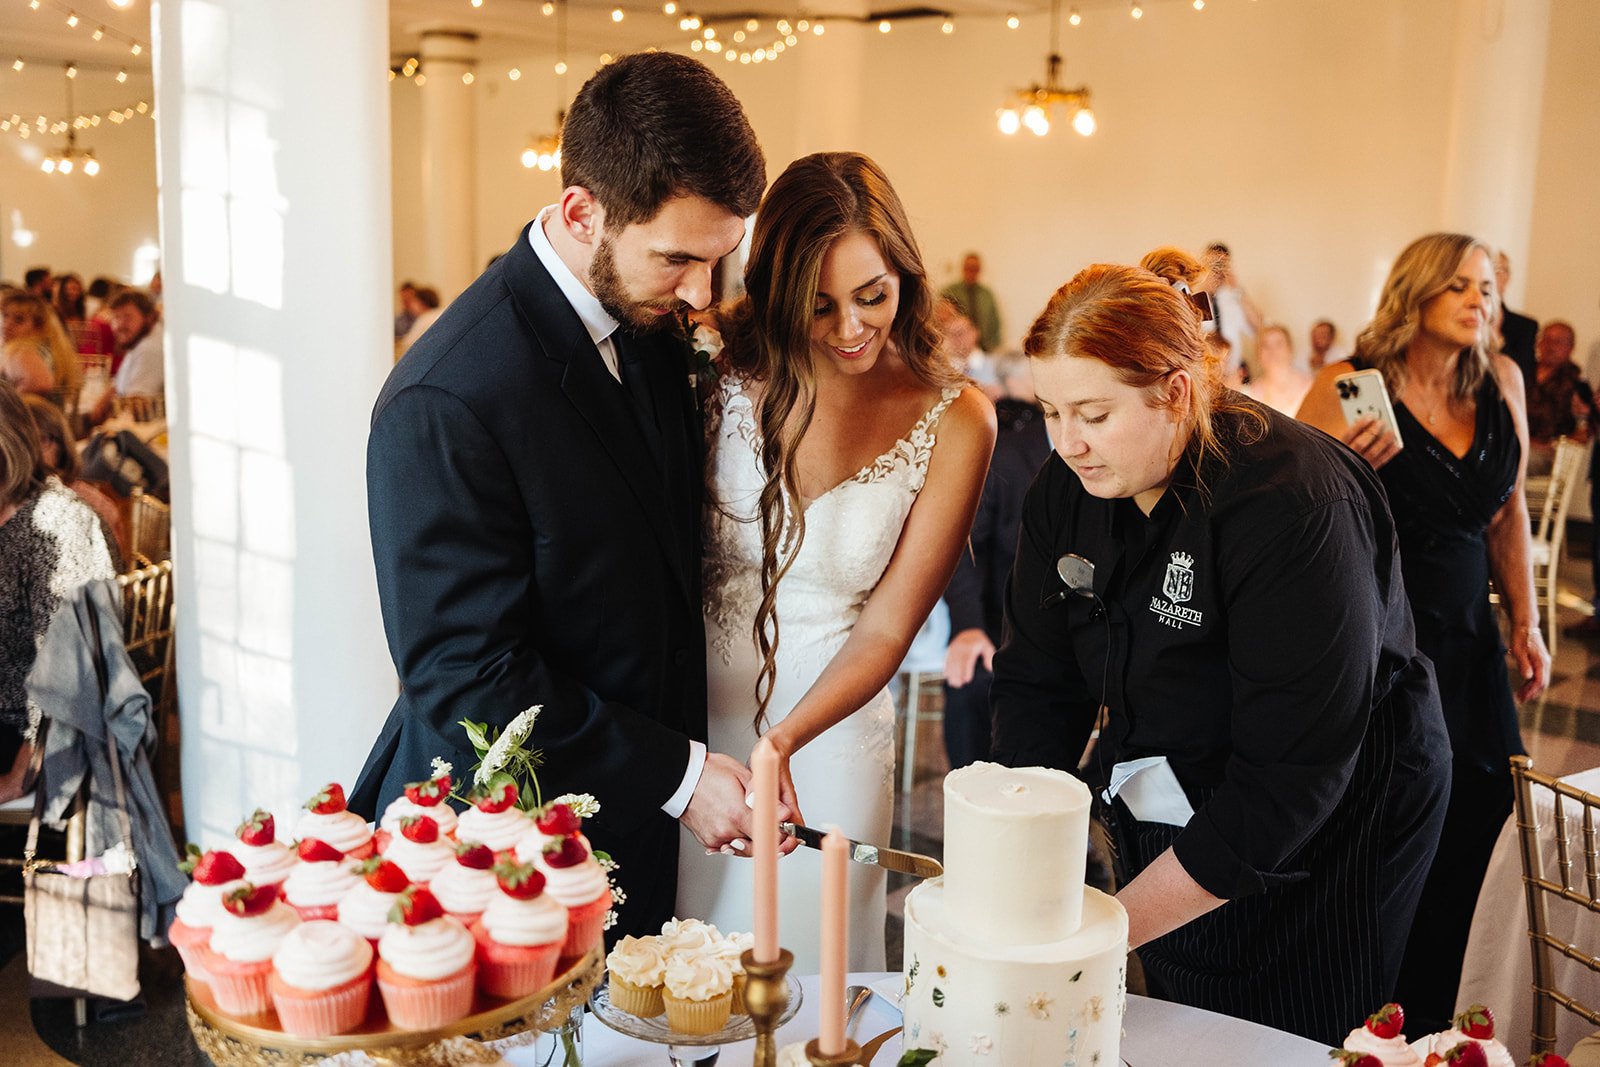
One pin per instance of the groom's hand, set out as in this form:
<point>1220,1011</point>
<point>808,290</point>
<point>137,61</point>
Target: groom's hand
<point>717,814</point>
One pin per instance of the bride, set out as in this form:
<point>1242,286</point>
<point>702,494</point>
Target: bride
<point>845,460</point>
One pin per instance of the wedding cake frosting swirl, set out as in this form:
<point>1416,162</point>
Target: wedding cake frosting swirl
<point>319,883</point>
<point>688,935</point>
<point>1495,1052</point>
<point>366,910</point>
<point>252,938</point>
<point>435,949</point>
<point>344,830</point>
<point>421,860</point>
<point>499,830</point>
<point>573,887</point>
<point>201,904</point>
<point>463,890</point>
<point>320,955</point>
<point>639,960</point>
<point>536,921</point>
<point>1390,1051</point>
<point>402,806</point>
<point>698,977</point>
<point>267,864</point>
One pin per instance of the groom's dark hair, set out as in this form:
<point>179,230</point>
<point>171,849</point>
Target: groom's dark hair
<point>654,125</point>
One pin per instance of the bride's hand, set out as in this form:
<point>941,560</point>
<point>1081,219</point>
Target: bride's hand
<point>788,806</point>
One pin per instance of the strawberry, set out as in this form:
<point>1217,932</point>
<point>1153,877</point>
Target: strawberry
<point>415,907</point>
<point>471,854</point>
<point>497,800</point>
<point>1476,1022</point>
<point>519,880</point>
<point>1387,1021</point>
<point>428,794</point>
<point>1547,1059</point>
<point>382,875</point>
<point>212,868</point>
<point>330,801</point>
<point>1355,1059</point>
<point>419,828</point>
<point>313,851</point>
<point>258,829</point>
<point>565,852</point>
<point>249,900</point>
<point>558,820</point>
<point>1433,1060</point>
<point>1467,1054</point>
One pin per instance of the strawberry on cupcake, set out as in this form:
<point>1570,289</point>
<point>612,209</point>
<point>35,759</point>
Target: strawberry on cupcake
<point>465,886</point>
<point>418,849</point>
<point>1474,1026</point>
<point>427,967</point>
<point>520,935</point>
<point>319,881</point>
<point>430,798</point>
<point>365,908</point>
<point>550,823</point>
<point>266,860</point>
<point>1381,1037</point>
<point>215,874</point>
<point>578,883</point>
<point>321,980</point>
<point>327,819</point>
<point>238,959</point>
<point>494,818</point>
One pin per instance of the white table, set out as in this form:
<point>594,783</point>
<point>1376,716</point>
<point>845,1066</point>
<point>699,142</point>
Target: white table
<point>1498,967</point>
<point>1156,1032</point>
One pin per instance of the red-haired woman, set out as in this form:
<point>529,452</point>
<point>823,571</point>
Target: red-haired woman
<point>1227,582</point>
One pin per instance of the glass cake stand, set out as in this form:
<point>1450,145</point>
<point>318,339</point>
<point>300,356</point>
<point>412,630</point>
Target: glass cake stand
<point>684,1050</point>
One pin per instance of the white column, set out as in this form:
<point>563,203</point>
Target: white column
<point>449,160</point>
<point>1493,149</point>
<point>273,167</point>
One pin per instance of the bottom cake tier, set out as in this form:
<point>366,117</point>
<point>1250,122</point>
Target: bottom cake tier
<point>1054,1005</point>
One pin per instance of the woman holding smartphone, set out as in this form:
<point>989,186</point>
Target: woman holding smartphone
<point>1455,487</point>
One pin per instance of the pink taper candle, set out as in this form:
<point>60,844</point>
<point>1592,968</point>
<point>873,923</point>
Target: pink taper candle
<point>764,831</point>
<point>835,922</point>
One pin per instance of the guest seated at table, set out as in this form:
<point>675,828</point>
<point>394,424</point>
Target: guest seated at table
<point>138,332</point>
<point>1560,403</point>
<point>1227,584</point>
<point>50,543</point>
<point>89,336</point>
<point>61,456</point>
<point>39,356</point>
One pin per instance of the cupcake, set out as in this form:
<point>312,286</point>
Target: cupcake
<point>494,819</point>
<point>577,882</point>
<point>465,886</point>
<point>365,908</point>
<point>520,935</point>
<point>1474,1026</point>
<point>426,964</point>
<point>699,994</point>
<point>550,823</point>
<point>321,980</point>
<point>215,874</point>
<point>732,948</point>
<point>327,819</point>
<point>319,881</point>
<point>1380,1037</point>
<point>688,936</point>
<point>638,967</point>
<point>266,860</point>
<point>238,959</point>
<point>418,849</point>
<point>430,798</point>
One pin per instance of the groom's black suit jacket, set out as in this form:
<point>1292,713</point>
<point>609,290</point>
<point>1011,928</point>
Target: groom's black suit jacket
<point>532,548</point>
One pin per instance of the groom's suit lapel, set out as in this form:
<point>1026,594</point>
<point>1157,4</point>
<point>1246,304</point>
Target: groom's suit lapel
<point>682,452</point>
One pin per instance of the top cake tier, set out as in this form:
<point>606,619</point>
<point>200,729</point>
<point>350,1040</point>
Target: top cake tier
<point>1015,841</point>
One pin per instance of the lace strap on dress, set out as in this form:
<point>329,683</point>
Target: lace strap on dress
<point>915,449</point>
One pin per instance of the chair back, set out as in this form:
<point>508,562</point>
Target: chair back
<point>142,408</point>
<point>1576,823</point>
<point>150,539</point>
<point>1549,499</point>
<point>147,630</point>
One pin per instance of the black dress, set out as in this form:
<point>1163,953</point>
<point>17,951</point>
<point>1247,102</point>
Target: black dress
<point>1442,508</point>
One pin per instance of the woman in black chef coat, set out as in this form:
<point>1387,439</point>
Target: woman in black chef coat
<point>1235,600</point>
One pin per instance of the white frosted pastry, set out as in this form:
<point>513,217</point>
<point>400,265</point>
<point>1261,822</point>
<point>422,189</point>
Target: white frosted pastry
<point>1390,1051</point>
<point>421,860</point>
<point>366,910</point>
<point>641,961</point>
<point>535,921</point>
<point>1496,1053</point>
<point>402,806</point>
<point>321,883</point>
<point>321,955</point>
<point>252,938</point>
<point>201,904</point>
<point>688,935</point>
<point>531,846</point>
<point>499,830</point>
<point>463,890</point>
<point>575,886</point>
<point>432,950</point>
<point>344,830</point>
<point>698,978</point>
<point>267,864</point>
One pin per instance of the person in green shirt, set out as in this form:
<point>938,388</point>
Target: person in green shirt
<point>977,302</point>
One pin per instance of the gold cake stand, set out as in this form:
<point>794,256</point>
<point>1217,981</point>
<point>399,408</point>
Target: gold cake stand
<point>255,1041</point>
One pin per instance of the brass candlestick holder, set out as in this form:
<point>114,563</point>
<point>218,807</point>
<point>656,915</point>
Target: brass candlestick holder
<point>846,1057</point>
<point>766,994</point>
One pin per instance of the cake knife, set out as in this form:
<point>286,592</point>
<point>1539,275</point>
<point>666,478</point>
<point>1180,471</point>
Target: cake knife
<point>890,859</point>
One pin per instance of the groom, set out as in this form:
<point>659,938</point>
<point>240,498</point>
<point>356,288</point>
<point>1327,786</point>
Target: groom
<point>534,484</point>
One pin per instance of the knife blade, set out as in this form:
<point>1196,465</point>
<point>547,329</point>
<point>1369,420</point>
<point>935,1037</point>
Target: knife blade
<point>890,859</point>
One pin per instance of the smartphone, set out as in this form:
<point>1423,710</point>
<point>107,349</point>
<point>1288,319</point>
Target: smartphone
<point>1362,395</point>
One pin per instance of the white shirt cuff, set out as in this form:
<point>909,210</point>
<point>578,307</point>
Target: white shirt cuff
<point>679,801</point>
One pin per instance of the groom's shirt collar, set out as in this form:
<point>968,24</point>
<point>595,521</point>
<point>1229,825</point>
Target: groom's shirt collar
<point>596,319</point>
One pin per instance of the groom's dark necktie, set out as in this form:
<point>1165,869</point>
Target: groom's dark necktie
<point>636,380</point>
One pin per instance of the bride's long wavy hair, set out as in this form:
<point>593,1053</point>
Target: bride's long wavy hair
<point>817,200</point>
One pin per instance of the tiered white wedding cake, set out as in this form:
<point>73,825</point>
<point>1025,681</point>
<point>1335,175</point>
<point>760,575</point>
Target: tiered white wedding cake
<point>1009,958</point>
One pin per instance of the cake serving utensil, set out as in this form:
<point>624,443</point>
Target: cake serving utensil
<point>890,859</point>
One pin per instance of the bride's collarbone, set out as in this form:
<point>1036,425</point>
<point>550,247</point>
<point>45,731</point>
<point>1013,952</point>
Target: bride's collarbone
<point>844,439</point>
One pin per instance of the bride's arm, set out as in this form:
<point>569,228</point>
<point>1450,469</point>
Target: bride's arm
<point>916,576</point>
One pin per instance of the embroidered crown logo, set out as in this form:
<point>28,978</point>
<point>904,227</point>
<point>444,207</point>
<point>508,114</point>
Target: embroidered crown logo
<point>1179,583</point>
<point>1182,559</point>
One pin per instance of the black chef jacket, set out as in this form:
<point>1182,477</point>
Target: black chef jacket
<point>1260,638</point>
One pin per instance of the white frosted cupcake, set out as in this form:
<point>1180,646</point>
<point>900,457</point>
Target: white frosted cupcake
<point>327,819</point>
<point>638,968</point>
<point>487,822</point>
<point>577,882</point>
<point>427,965</point>
<point>238,959</point>
<point>266,860</point>
<point>699,994</point>
<point>365,909</point>
<point>1473,1026</point>
<point>321,980</point>
<point>689,935</point>
<point>465,886</point>
<point>418,849</point>
<point>520,935</point>
<point>732,948</point>
<point>1381,1037</point>
<point>430,798</point>
<point>319,881</point>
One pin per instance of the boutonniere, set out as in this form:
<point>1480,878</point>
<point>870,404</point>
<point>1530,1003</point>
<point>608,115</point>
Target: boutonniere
<point>705,342</point>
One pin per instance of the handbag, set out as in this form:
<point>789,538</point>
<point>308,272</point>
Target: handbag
<point>83,933</point>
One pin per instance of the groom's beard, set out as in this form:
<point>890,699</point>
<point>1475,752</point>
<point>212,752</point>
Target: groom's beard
<point>609,289</point>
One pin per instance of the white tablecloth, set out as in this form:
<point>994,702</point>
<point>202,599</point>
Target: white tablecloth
<point>1498,968</point>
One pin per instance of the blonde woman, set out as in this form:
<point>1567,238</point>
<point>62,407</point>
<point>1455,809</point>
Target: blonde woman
<point>39,356</point>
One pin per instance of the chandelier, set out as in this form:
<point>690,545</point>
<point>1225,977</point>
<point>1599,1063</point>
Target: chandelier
<point>71,157</point>
<point>1030,107</point>
<point>544,150</point>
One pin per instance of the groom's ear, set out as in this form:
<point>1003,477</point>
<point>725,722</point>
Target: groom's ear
<point>581,214</point>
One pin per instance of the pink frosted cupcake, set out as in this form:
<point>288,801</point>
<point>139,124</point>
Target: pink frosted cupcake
<point>426,965</point>
<point>419,850</point>
<point>319,881</point>
<point>1381,1038</point>
<point>267,861</point>
<point>215,875</point>
<point>465,887</point>
<point>520,935</point>
<point>1475,1026</point>
<point>365,908</point>
<point>321,980</point>
<point>238,959</point>
<point>327,819</point>
<point>494,819</point>
<point>430,798</point>
<point>577,882</point>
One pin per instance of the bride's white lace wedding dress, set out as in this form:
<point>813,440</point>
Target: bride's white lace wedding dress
<point>846,776</point>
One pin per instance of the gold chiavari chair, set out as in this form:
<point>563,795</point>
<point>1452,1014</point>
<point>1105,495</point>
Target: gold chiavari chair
<point>150,525</point>
<point>142,408</point>
<point>147,627</point>
<point>1576,825</point>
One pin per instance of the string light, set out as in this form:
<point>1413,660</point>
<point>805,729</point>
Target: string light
<point>514,74</point>
<point>738,36</point>
<point>710,33</point>
<point>100,31</point>
<point>72,20</point>
<point>817,29</point>
<point>883,26</point>
<point>72,71</point>
<point>1137,11</point>
<point>616,14</point>
<point>421,80</point>
<point>122,76</point>
<point>561,66</point>
<point>548,8</point>
<point>791,40</point>
<point>17,64</point>
<point>477,3</point>
<point>802,25</point>
<point>948,27</point>
<point>669,8</point>
<point>1075,19</point>
<point>1199,5</point>
<point>137,48</point>
<point>467,78</point>
<point>1012,22</point>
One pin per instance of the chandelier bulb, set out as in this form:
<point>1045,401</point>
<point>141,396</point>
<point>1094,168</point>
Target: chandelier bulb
<point>1012,22</point>
<point>1083,122</point>
<point>1075,19</point>
<point>1009,122</point>
<point>1136,11</point>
